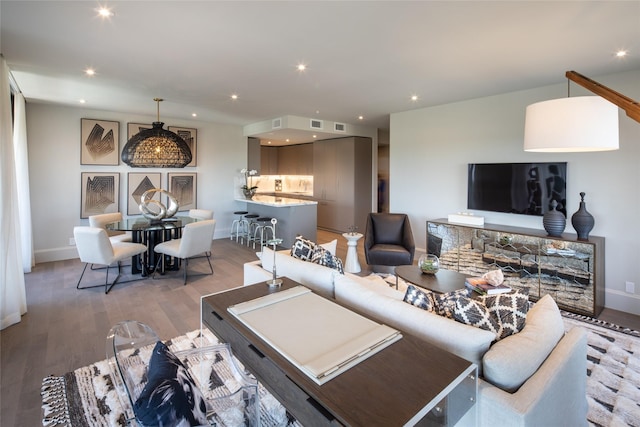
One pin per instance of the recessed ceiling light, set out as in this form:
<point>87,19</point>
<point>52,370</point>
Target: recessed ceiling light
<point>315,136</point>
<point>269,142</point>
<point>621,53</point>
<point>90,72</point>
<point>194,115</point>
<point>287,140</point>
<point>360,117</point>
<point>301,67</point>
<point>234,96</point>
<point>105,12</point>
<point>82,101</point>
<point>414,97</point>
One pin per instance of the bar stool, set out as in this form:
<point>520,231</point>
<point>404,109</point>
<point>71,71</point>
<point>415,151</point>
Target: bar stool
<point>251,223</point>
<point>240,224</point>
<point>263,227</point>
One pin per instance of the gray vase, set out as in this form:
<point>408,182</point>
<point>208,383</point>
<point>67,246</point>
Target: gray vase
<point>582,220</point>
<point>553,221</point>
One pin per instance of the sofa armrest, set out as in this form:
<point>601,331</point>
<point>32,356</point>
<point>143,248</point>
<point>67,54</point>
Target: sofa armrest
<point>554,395</point>
<point>254,273</point>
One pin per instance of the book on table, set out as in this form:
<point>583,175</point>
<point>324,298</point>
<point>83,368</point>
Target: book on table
<point>483,287</point>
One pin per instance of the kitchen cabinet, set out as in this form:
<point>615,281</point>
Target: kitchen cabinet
<point>570,270</point>
<point>342,182</point>
<point>295,159</point>
<point>253,154</point>
<point>268,160</point>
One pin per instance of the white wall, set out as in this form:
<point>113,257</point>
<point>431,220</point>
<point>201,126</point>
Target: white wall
<point>431,147</point>
<point>55,172</point>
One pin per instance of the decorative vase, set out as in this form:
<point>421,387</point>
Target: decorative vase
<point>582,220</point>
<point>553,221</point>
<point>248,193</point>
<point>429,263</point>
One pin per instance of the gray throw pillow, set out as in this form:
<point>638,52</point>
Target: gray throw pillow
<point>511,361</point>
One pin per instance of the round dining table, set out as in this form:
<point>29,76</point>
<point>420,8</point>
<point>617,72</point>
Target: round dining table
<point>150,233</point>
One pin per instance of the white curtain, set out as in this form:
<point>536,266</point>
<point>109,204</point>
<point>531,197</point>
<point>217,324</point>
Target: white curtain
<point>13,301</point>
<point>22,180</point>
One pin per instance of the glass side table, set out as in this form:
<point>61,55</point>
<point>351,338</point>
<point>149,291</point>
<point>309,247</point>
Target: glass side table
<point>351,264</point>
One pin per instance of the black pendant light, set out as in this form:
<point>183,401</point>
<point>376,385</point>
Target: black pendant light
<point>156,148</point>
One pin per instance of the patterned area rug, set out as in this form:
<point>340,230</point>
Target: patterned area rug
<point>613,372</point>
<point>86,397</point>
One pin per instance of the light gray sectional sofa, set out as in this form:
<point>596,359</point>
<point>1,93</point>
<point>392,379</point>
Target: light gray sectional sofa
<point>536,377</point>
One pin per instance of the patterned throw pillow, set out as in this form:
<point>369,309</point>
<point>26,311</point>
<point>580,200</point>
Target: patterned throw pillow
<point>170,397</point>
<point>419,298</point>
<point>303,248</point>
<point>445,304</point>
<point>475,313</point>
<point>323,257</point>
<point>509,309</point>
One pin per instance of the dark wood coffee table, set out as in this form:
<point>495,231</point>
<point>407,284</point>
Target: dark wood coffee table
<point>442,282</point>
<point>410,382</point>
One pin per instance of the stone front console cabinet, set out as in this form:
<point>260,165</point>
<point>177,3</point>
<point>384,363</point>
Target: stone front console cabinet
<point>571,271</point>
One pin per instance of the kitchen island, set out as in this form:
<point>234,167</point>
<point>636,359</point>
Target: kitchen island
<point>295,216</point>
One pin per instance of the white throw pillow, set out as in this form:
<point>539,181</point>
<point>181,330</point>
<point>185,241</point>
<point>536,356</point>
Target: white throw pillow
<point>331,246</point>
<point>511,361</point>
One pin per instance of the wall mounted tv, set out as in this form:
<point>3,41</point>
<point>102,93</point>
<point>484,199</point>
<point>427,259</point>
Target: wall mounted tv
<point>520,188</point>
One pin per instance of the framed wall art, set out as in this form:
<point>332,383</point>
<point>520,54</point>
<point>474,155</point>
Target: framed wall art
<point>137,184</point>
<point>183,187</point>
<point>190,136</point>
<point>134,128</point>
<point>99,142</point>
<point>100,193</point>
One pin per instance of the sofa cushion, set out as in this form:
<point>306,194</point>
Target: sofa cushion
<point>330,246</point>
<point>325,258</point>
<point>170,396</point>
<point>511,361</point>
<point>303,248</point>
<point>509,309</point>
<point>446,303</point>
<point>316,277</point>
<point>475,313</point>
<point>419,298</point>
<point>374,297</point>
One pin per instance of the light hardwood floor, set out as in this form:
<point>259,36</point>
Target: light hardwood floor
<point>65,328</point>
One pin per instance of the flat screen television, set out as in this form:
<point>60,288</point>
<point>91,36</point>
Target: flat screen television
<point>520,188</point>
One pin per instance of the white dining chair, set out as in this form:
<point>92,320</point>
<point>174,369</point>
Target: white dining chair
<point>101,221</point>
<point>196,239</point>
<point>201,213</point>
<point>95,247</point>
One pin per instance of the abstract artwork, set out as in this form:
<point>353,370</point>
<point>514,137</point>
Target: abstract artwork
<point>135,128</point>
<point>99,142</point>
<point>137,185</point>
<point>100,193</point>
<point>190,136</point>
<point>183,188</point>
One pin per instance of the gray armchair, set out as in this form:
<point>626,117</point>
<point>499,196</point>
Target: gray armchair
<point>388,241</point>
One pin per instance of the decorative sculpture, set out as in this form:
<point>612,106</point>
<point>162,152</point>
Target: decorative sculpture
<point>274,282</point>
<point>163,212</point>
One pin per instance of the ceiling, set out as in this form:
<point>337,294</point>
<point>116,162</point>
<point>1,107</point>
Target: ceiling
<point>363,58</point>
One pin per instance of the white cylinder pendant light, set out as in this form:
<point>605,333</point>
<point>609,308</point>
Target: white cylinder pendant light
<point>583,123</point>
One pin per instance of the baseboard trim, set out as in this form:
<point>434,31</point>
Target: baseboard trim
<point>622,301</point>
<point>55,254</point>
